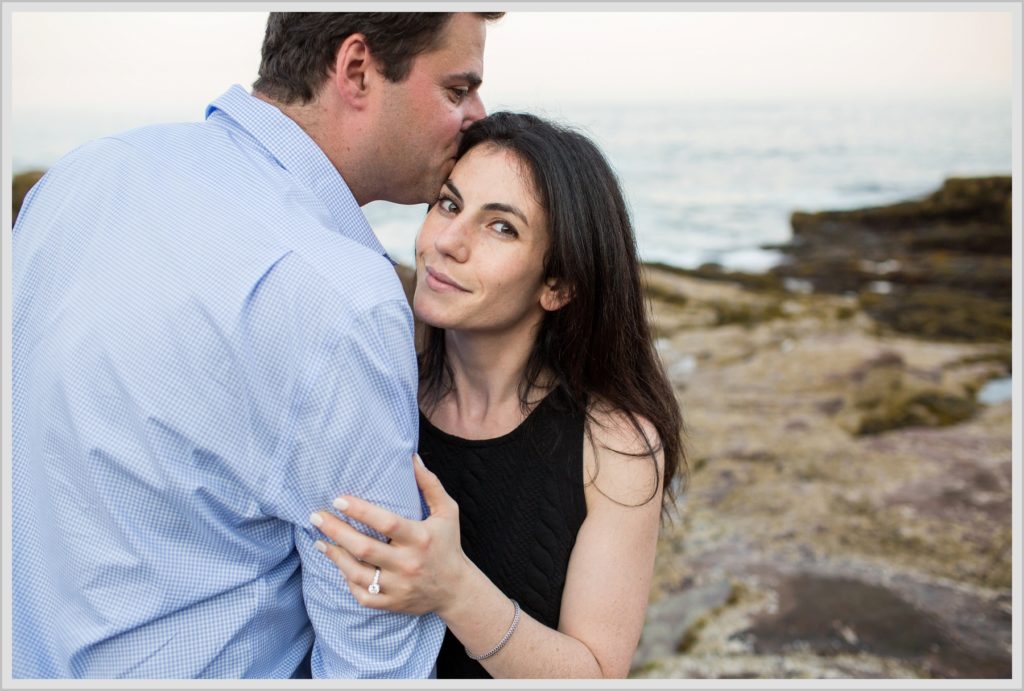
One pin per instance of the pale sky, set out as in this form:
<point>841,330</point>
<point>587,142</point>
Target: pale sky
<point>176,62</point>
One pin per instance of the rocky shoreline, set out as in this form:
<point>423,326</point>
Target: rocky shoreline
<point>848,511</point>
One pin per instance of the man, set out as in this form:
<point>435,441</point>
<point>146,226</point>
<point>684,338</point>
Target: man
<point>209,343</point>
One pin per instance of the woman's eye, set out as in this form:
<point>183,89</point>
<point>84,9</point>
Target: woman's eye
<point>505,228</point>
<point>448,205</point>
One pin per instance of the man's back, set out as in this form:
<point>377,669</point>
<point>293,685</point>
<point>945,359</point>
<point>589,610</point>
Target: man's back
<point>191,338</point>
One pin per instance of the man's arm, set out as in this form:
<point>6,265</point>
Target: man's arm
<point>354,430</point>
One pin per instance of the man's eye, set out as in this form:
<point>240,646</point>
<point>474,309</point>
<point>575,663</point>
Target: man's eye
<point>458,93</point>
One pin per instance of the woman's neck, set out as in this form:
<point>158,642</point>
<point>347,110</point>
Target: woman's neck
<point>487,371</point>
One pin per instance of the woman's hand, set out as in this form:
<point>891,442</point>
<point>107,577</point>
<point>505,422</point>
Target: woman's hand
<point>422,566</point>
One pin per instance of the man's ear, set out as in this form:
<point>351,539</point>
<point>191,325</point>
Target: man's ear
<point>554,295</point>
<point>353,70</point>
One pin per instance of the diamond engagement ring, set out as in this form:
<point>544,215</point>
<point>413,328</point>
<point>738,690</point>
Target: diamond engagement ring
<point>374,587</point>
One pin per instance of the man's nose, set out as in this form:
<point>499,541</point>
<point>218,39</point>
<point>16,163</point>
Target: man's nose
<point>474,110</point>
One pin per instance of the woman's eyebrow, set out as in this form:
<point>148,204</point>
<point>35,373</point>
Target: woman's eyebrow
<point>507,208</point>
<point>455,190</point>
<point>492,206</point>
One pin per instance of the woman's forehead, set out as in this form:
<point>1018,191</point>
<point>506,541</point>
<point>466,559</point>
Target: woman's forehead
<point>491,169</point>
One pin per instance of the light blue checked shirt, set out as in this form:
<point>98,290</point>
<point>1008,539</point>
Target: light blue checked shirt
<point>209,343</point>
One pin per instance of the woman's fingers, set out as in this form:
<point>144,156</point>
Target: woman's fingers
<point>383,521</point>
<point>433,492</point>
<point>418,563</point>
<point>362,547</point>
<point>357,574</point>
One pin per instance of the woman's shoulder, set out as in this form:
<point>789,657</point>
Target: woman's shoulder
<point>630,433</point>
<point>623,460</point>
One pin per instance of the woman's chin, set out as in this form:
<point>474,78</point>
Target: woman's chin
<point>428,316</point>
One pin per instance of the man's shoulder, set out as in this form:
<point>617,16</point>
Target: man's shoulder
<point>139,155</point>
<point>150,138</point>
<point>356,278</point>
<point>212,196</point>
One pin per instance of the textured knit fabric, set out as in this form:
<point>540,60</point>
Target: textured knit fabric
<point>521,505</point>
<point>208,344</point>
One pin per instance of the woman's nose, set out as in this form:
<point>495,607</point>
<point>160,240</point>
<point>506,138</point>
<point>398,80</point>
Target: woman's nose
<point>452,241</point>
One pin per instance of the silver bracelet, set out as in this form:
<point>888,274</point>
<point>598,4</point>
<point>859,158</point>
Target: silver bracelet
<point>501,644</point>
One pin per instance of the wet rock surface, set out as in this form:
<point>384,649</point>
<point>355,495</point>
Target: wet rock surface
<point>830,615</point>
<point>673,625</point>
<point>846,482</point>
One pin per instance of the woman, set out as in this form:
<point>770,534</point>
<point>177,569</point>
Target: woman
<point>545,414</point>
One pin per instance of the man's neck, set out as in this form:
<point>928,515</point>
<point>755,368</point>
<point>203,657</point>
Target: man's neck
<point>325,126</point>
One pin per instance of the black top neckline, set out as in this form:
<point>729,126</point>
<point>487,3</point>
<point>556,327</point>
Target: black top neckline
<point>509,436</point>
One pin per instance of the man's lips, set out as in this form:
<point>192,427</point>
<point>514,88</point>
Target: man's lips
<point>442,282</point>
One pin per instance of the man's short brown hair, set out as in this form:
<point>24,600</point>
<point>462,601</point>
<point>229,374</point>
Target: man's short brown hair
<point>300,48</point>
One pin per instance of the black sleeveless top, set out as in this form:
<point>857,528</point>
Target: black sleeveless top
<point>521,505</point>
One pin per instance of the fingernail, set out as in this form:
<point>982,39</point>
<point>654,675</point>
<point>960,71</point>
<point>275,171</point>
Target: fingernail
<point>321,546</point>
<point>419,460</point>
<point>340,504</point>
<point>316,519</point>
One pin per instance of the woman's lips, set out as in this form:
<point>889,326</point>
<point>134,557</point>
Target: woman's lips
<point>443,283</point>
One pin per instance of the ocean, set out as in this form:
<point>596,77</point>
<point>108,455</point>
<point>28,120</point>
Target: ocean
<point>705,181</point>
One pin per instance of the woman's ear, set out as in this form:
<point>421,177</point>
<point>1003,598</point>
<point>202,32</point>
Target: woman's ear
<point>554,295</point>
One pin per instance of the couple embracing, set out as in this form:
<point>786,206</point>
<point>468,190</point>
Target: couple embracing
<point>229,459</point>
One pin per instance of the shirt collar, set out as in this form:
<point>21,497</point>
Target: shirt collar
<point>298,154</point>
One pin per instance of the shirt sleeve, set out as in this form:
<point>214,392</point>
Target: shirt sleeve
<point>354,431</point>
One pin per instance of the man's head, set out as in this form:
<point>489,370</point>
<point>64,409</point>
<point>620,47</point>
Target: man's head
<point>385,95</point>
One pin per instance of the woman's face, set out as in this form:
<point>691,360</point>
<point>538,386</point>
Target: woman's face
<point>480,252</point>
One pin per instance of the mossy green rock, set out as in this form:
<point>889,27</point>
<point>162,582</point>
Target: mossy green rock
<point>937,267</point>
<point>22,183</point>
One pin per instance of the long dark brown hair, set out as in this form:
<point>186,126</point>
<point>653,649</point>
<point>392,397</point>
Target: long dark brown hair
<point>599,345</point>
